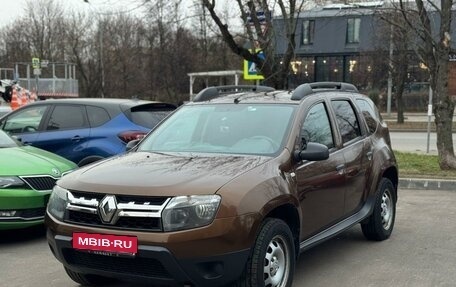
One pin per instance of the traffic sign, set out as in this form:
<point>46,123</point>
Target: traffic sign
<point>250,69</point>
<point>36,63</point>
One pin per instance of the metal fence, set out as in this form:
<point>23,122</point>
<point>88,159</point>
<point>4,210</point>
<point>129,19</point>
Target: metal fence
<point>51,87</point>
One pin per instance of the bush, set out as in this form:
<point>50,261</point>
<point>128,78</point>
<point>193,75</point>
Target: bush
<point>374,95</point>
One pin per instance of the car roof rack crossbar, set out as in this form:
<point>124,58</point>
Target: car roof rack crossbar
<point>210,93</point>
<point>306,89</point>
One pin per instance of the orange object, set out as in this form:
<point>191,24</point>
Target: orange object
<point>24,97</point>
<point>33,97</point>
<point>16,102</point>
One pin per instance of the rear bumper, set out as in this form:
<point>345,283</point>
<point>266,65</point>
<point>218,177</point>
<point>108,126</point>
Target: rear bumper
<point>152,264</point>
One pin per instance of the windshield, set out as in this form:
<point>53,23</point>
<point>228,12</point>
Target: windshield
<point>6,140</point>
<point>257,129</point>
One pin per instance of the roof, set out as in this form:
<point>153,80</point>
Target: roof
<point>226,94</point>
<point>216,73</point>
<point>113,106</point>
<point>99,101</point>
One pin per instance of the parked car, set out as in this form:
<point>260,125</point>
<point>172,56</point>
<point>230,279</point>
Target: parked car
<point>27,176</point>
<point>84,130</point>
<point>230,189</point>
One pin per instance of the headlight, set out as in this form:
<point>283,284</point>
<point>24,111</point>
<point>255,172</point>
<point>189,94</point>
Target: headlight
<point>57,202</point>
<point>185,212</point>
<point>10,181</point>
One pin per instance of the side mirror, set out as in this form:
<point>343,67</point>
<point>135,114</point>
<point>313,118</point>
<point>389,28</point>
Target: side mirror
<point>313,152</point>
<point>131,144</point>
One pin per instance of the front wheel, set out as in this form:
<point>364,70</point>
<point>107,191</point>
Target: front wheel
<point>273,258</point>
<point>380,224</point>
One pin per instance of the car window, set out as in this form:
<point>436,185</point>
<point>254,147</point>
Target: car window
<point>25,120</point>
<point>97,116</point>
<point>220,128</point>
<point>369,113</point>
<point>346,120</point>
<point>316,127</point>
<point>149,115</point>
<point>66,117</point>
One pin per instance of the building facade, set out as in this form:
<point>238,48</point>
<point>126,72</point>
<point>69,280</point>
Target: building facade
<point>346,43</point>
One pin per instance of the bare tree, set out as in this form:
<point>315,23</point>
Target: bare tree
<point>433,50</point>
<point>261,34</point>
<point>45,29</point>
<point>79,47</point>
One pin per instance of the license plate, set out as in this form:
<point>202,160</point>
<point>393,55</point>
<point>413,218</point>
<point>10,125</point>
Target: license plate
<point>105,243</point>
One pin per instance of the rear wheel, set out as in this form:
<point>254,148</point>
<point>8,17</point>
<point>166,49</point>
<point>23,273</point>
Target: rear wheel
<point>380,224</point>
<point>87,279</point>
<point>273,258</point>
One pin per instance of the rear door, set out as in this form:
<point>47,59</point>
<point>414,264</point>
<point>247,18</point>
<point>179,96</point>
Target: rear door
<point>355,154</point>
<point>65,131</point>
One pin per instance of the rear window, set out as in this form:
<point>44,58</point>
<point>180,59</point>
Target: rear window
<point>149,115</point>
<point>97,116</point>
<point>370,114</point>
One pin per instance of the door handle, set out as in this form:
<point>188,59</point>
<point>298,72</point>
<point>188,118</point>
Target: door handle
<point>340,168</point>
<point>76,138</point>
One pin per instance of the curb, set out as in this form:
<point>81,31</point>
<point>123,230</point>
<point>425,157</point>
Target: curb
<point>427,184</point>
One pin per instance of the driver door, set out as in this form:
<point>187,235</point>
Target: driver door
<point>321,184</point>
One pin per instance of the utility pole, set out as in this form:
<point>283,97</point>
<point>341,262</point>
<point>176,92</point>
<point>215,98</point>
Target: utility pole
<point>100,23</point>
<point>390,74</point>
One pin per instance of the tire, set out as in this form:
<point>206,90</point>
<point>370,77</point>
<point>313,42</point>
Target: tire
<point>272,261</point>
<point>380,224</point>
<point>87,279</point>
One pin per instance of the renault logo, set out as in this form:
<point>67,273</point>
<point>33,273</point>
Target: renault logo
<point>108,208</point>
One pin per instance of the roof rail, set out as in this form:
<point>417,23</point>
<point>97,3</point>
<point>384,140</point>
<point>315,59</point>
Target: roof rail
<point>306,89</point>
<point>210,93</point>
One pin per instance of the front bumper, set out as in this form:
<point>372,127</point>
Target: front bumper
<point>152,264</point>
<point>29,207</point>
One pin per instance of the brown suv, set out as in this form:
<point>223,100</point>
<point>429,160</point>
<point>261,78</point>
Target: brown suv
<point>229,189</point>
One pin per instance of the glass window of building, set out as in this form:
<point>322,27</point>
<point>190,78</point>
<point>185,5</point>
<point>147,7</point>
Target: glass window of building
<point>329,69</point>
<point>353,25</point>
<point>308,28</point>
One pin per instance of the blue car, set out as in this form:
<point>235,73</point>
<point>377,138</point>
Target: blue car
<point>84,130</point>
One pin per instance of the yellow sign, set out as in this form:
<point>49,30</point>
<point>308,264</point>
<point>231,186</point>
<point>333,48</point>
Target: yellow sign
<point>250,71</point>
<point>36,63</point>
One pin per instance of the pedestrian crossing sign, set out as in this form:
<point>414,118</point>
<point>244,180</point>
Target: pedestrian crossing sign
<point>250,69</point>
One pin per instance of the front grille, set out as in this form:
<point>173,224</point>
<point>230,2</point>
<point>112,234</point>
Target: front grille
<point>84,218</point>
<point>152,224</point>
<point>148,267</point>
<point>40,182</point>
<point>31,213</point>
<point>140,213</point>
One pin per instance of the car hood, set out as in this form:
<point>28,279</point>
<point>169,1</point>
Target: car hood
<point>27,160</point>
<point>143,173</point>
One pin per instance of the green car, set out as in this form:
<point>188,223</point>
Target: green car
<point>27,176</point>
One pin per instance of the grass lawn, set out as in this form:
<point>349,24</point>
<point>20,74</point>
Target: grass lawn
<point>421,166</point>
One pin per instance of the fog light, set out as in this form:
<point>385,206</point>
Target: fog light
<point>7,213</point>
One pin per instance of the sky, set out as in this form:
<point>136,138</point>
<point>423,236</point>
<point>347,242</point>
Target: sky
<point>12,9</point>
